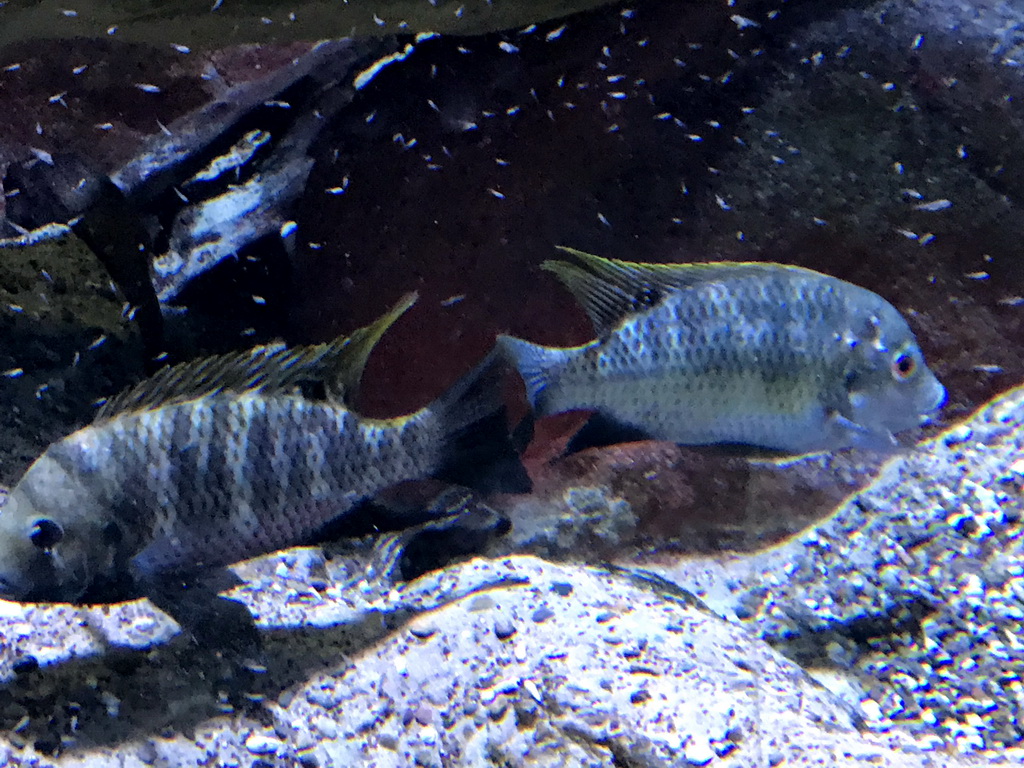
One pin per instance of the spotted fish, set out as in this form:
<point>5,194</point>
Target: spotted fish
<point>212,462</point>
<point>759,354</point>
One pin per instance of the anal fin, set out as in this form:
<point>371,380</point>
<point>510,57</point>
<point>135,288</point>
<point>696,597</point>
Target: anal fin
<point>601,430</point>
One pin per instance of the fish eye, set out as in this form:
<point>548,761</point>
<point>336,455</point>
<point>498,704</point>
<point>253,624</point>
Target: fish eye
<point>46,533</point>
<point>903,366</point>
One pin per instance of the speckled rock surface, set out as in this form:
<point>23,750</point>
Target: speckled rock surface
<point>535,664</point>
<point>913,588</point>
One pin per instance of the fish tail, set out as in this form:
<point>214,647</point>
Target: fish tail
<point>478,451</point>
<point>535,364</point>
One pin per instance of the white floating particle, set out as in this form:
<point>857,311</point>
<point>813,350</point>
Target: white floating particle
<point>112,30</point>
<point>662,116</point>
<point>15,308</point>
<point>98,341</point>
<point>615,78</point>
<point>79,69</point>
<point>452,300</point>
<point>981,275</point>
<point>742,21</point>
<point>916,42</point>
<point>288,229</point>
<point>907,234</point>
<point>961,152</point>
<point>926,238</point>
<point>554,34</point>
<point>379,21</point>
<point>335,190</point>
<point>722,203</point>
<point>934,205</point>
<point>817,58</point>
<point>69,13</point>
<point>819,221</point>
<point>181,48</point>
<point>1011,301</point>
<point>528,30</point>
<point>258,299</point>
<point>12,67</point>
<point>501,161</point>
<point>507,47</point>
<point>604,220</point>
<point>988,368</point>
<point>13,373</point>
<point>694,137</point>
<point>898,167</point>
<point>511,111</point>
<point>148,87</point>
<point>496,193</point>
<point>58,97</point>
<point>40,390</point>
<point>617,95</point>
<point>888,86</point>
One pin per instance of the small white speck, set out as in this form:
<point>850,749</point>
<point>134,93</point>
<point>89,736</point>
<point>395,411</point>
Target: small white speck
<point>1011,301</point>
<point>926,238</point>
<point>69,13</point>
<point>977,275</point>
<point>722,203</point>
<point>379,21</point>
<point>507,47</point>
<point>817,58</point>
<point>12,67</point>
<point>258,299</point>
<point>79,69</point>
<point>112,30</point>
<point>496,193</point>
<point>148,87</point>
<point>288,229</point>
<point>181,48</point>
<point>604,220</point>
<point>916,42</point>
<point>13,373</point>
<point>898,167</point>
<point>819,221</point>
<point>98,341</point>
<point>617,95</point>
<point>907,234</point>
<point>988,368</point>
<point>554,34</point>
<point>452,300</point>
<point>694,137</point>
<point>888,86</point>
<point>934,205</point>
<point>15,308</point>
<point>743,22</point>
<point>961,152</point>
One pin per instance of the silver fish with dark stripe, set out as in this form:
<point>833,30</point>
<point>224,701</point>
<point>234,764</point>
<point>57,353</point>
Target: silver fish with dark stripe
<point>213,462</point>
<point>766,355</point>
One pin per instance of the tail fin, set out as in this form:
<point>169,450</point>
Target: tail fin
<point>535,364</point>
<point>478,450</point>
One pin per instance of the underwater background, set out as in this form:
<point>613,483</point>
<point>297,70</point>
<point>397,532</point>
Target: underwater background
<point>649,604</point>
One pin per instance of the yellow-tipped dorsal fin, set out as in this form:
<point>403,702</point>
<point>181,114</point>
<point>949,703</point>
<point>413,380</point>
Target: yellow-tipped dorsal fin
<point>267,369</point>
<point>610,289</point>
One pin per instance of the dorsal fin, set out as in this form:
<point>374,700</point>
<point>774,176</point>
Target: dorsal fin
<point>268,369</point>
<point>610,289</point>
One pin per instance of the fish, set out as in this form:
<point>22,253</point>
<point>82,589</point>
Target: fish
<point>763,355</point>
<point>215,461</point>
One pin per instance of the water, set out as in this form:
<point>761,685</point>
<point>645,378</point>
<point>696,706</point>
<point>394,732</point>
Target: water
<point>872,141</point>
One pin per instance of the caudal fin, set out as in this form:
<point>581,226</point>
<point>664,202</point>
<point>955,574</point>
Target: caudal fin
<point>478,449</point>
<point>535,364</point>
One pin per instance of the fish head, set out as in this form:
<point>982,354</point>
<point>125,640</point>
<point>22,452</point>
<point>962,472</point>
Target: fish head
<point>55,538</point>
<point>888,387</point>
